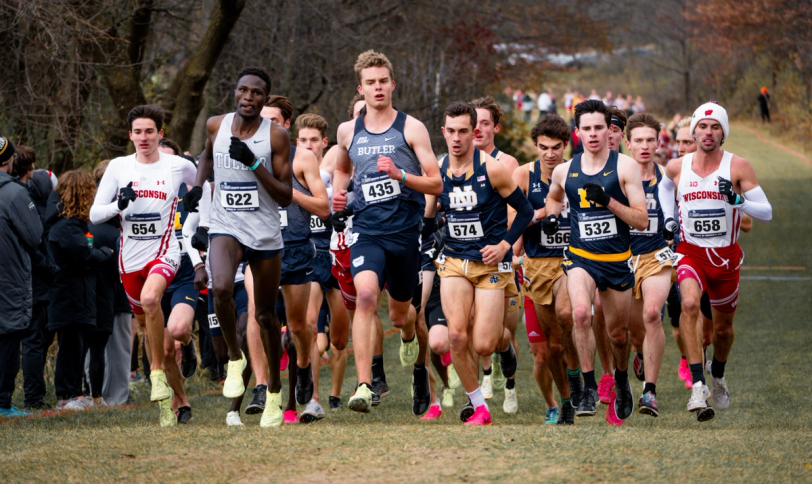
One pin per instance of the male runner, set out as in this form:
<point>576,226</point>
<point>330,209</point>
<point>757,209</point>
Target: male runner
<point>385,152</point>
<point>605,197</point>
<point>476,262</point>
<point>652,261</point>
<point>545,278</point>
<point>250,159</point>
<point>714,189</point>
<point>489,113</point>
<point>309,199</point>
<point>147,184</point>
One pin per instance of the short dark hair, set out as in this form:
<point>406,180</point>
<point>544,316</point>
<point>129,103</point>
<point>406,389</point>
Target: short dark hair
<point>552,126</point>
<point>256,71</point>
<point>283,104</point>
<point>355,99</point>
<point>489,103</point>
<point>459,108</point>
<point>24,159</point>
<point>168,143</point>
<point>642,120</point>
<point>620,115</point>
<point>151,111</point>
<point>592,106</point>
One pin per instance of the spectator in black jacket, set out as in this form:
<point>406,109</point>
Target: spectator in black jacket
<point>40,184</point>
<point>20,233</point>
<point>72,311</point>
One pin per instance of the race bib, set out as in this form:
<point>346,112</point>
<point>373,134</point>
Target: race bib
<point>465,226</point>
<point>179,236</point>
<point>239,196</point>
<point>707,223</point>
<point>283,218</point>
<point>213,321</point>
<point>558,240</point>
<point>379,188</point>
<point>651,228</point>
<point>597,227</point>
<point>317,225</point>
<point>666,255</point>
<point>143,226</point>
<point>506,266</point>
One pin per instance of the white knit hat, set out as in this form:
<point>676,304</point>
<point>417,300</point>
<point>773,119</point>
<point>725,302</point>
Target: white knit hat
<point>711,110</point>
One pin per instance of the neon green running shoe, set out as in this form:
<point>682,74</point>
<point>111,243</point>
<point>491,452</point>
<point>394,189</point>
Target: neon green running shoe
<point>448,397</point>
<point>361,400</point>
<point>273,415</point>
<point>160,388</point>
<point>168,418</point>
<point>453,379</point>
<point>497,377</point>
<point>234,387</point>
<point>408,351</point>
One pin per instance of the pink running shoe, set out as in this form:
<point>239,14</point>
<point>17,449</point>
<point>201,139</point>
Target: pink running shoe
<point>435,411</point>
<point>481,416</point>
<point>605,388</point>
<point>445,358</point>
<point>611,417</point>
<point>283,361</point>
<point>291,417</point>
<point>685,372</point>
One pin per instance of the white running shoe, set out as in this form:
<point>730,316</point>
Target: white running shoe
<point>721,396</point>
<point>699,397</point>
<point>233,419</point>
<point>312,412</point>
<point>511,404</point>
<point>487,387</point>
<point>78,403</point>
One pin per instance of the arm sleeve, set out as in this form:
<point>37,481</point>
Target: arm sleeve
<point>204,208</point>
<point>25,219</point>
<point>757,206</point>
<point>103,209</point>
<point>524,215</point>
<point>189,229</point>
<point>665,192</point>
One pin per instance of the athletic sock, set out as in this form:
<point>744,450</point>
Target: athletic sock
<point>650,387</point>
<point>565,401</point>
<point>409,340</point>
<point>696,373</point>
<point>488,371</point>
<point>511,384</point>
<point>717,368</point>
<point>377,368</point>
<point>419,367</point>
<point>589,380</point>
<point>575,372</point>
<point>621,377</point>
<point>477,400</point>
<point>303,371</point>
<point>640,356</point>
<point>682,357</point>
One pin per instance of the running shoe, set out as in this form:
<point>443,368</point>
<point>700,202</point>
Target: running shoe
<point>648,404</point>
<point>639,371</point>
<point>611,416</point>
<point>498,379</point>
<point>188,362</point>
<point>184,415</point>
<point>273,416</point>
<point>291,417</point>
<point>605,388</point>
<point>40,405</point>
<point>234,387</point>
<point>447,397</point>
<point>551,416</point>
<point>699,397</point>
<point>335,403</point>
<point>408,351</point>
<point>379,390</point>
<point>685,372</point>
<point>13,412</point>
<point>136,377</point>
<point>721,396</point>
<point>453,379</point>
<point>586,407</point>
<point>312,412</point>
<point>466,411</point>
<point>705,414</point>
<point>233,419</point>
<point>78,404</point>
<point>481,416</point>
<point>576,388</point>
<point>421,400</point>
<point>509,361</point>
<point>257,404</point>
<point>361,399</point>
<point>624,403</point>
<point>566,415</point>
<point>487,387</point>
<point>511,404</point>
<point>435,411</point>
<point>168,418</point>
<point>284,360</point>
<point>160,387</point>
<point>304,385</point>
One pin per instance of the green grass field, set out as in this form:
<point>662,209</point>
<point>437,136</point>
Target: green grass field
<point>765,435</point>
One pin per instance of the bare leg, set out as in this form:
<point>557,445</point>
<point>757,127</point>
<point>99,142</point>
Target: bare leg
<point>602,343</point>
<point>266,274</point>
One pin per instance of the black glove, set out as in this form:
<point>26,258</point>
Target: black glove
<point>439,223</point>
<point>200,240</point>
<point>339,220</point>
<point>351,186</point>
<point>241,152</point>
<point>125,196</point>
<point>726,189</point>
<point>549,224</point>
<point>429,226</point>
<point>595,193</point>
<point>670,227</point>
<point>192,199</point>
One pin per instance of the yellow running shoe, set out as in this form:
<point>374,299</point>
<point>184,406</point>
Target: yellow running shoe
<point>168,418</point>
<point>453,379</point>
<point>361,400</point>
<point>273,415</point>
<point>234,387</point>
<point>160,388</point>
<point>448,397</point>
<point>408,351</point>
<point>497,377</point>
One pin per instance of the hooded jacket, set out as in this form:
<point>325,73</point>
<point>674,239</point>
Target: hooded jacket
<point>20,233</point>
<point>40,186</point>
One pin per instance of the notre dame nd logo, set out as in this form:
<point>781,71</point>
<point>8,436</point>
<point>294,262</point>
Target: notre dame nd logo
<point>464,199</point>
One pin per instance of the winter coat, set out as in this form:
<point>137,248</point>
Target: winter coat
<point>40,186</point>
<point>106,235</point>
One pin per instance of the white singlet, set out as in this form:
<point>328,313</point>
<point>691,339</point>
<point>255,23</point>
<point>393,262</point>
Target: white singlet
<point>706,219</point>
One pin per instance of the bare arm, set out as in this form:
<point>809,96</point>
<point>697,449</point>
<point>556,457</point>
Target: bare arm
<point>205,163</point>
<point>556,195</point>
<point>306,165</point>
<point>279,185</point>
<point>636,213</point>
<point>343,167</point>
<point>418,138</point>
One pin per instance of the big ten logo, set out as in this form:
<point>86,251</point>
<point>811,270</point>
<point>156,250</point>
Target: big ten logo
<point>464,199</point>
<point>178,225</point>
<point>651,202</point>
